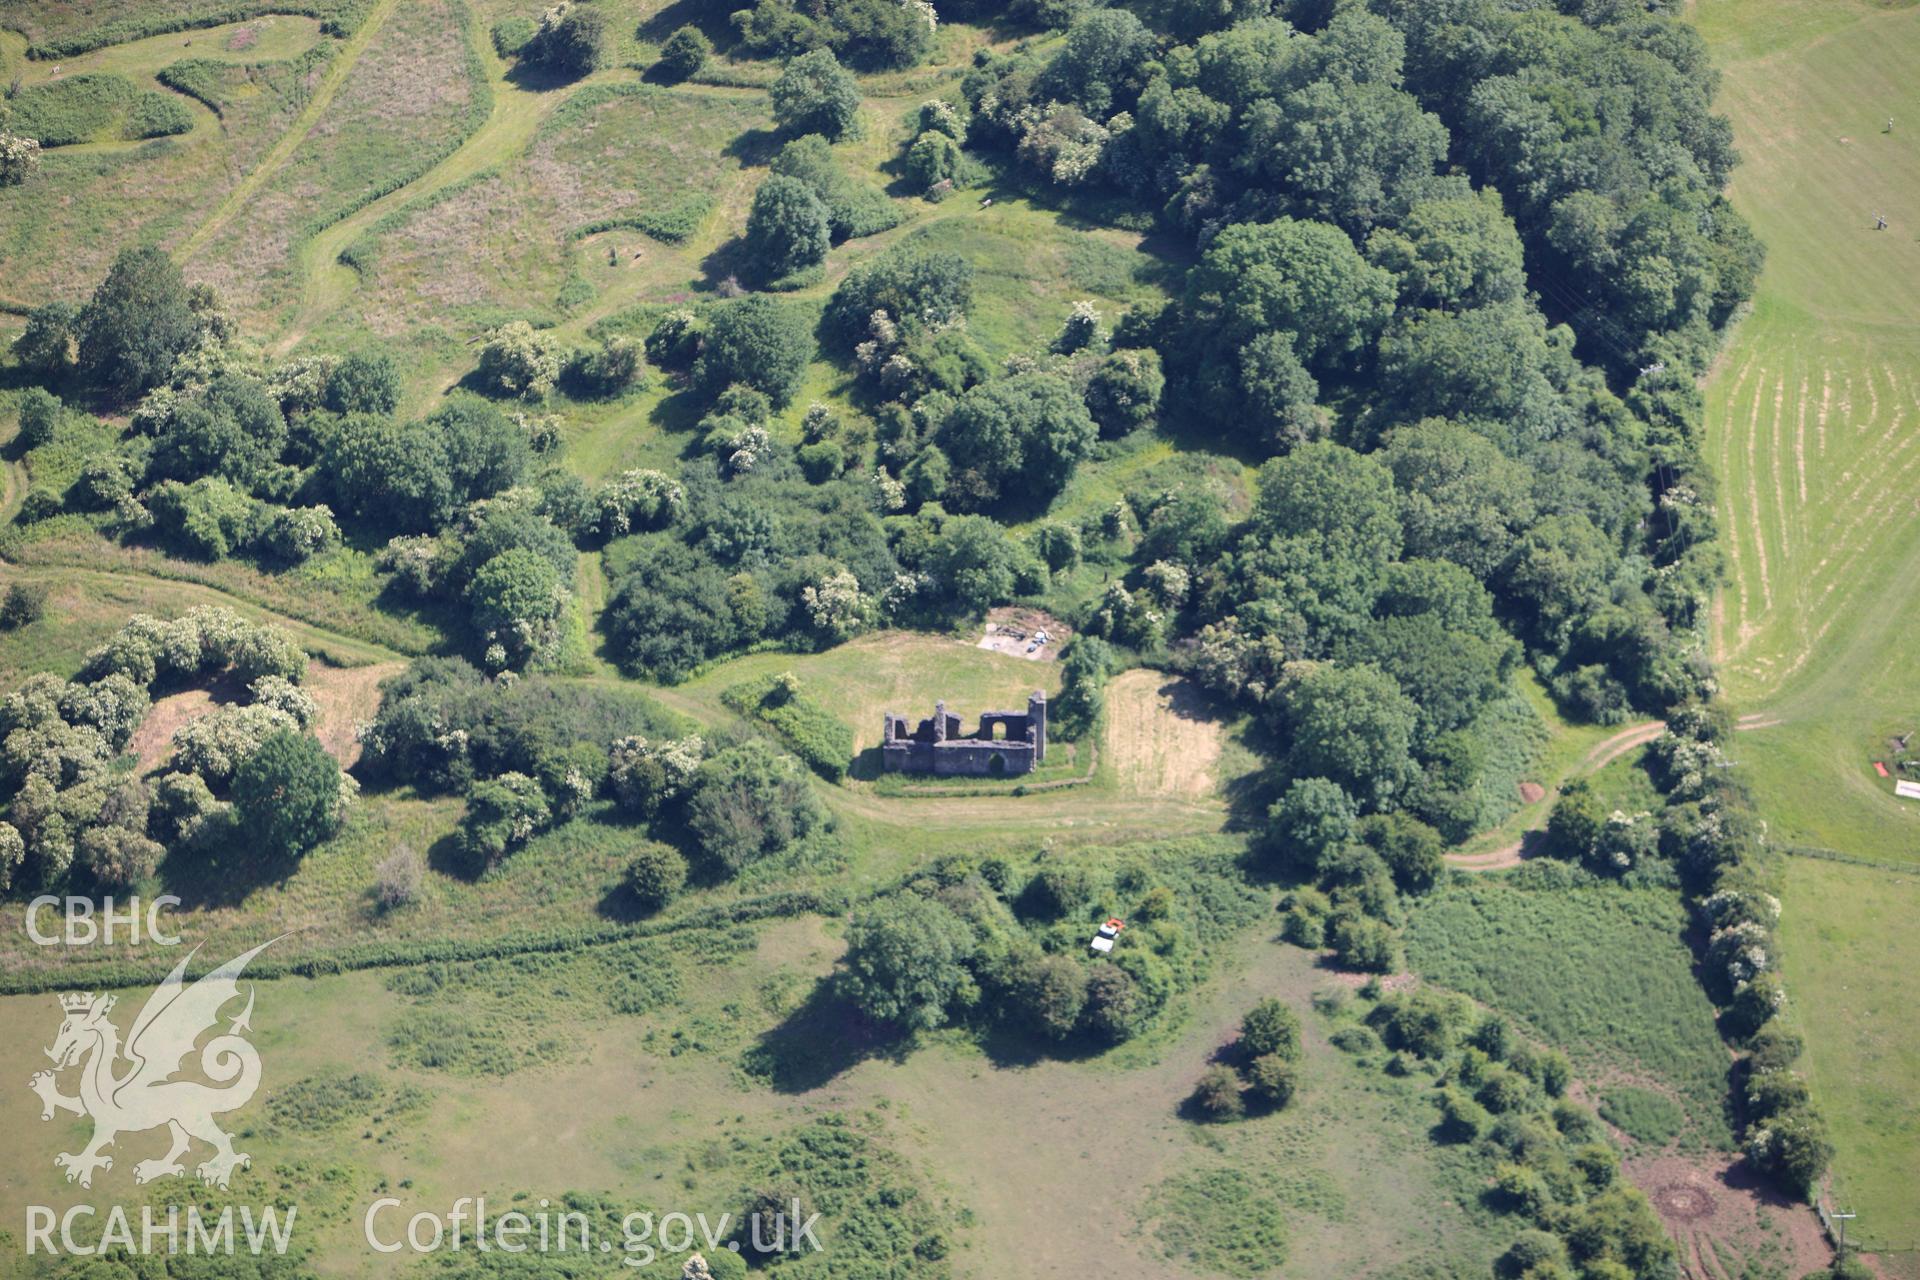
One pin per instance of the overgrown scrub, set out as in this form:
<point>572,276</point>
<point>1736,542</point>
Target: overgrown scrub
<point>231,452</point>
<point>219,85</point>
<point>1221,1221</point>
<point>1600,969</point>
<point>1642,1114</point>
<point>393,177</point>
<point>530,753</point>
<point>324,1101</point>
<point>988,945</point>
<point>337,18</point>
<point>402,955</point>
<point>872,1200</point>
<point>643,132</point>
<point>527,753</point>
<point>813,733</point>
<point>77,820</point>
<point>1265,1060</point>
<point>497,1015</point>
<point>1538,1157</point>
<point>93,107</point>
<point>671,225</point>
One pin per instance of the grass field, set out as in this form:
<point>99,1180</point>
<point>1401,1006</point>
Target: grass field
<point>254,42</point>
<point>1815,416</point>
<point>61,28</point>
<point>1851,953</point>
<point>407,99</point>
<point>616,1073</point>
<point>1603,972</point>
<point>58,233</point>
<point>1814,426</point>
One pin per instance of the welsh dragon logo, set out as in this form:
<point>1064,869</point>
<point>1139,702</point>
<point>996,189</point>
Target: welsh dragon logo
<point>144,1094</point>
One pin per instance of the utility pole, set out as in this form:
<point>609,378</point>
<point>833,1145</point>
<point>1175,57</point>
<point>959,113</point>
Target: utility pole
<point>1842,1218</point>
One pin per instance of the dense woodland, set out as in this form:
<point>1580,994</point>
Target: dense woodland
<point>1455,267</point>
<point>1456,271</point>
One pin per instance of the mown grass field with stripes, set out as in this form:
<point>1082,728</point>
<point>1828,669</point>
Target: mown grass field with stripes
<point>1814,422</point>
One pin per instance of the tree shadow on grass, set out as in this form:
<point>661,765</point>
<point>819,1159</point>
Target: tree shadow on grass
<point>1007,1044</point>
<point>535,78</point>
<point>660,77</point>
<point>1248,797</point>
<point>755,148</point>
<point>447,857</point>
<point>622,906</point>
<point>224,876</point>
<point>446,622</point>
<point>868,765</point>
<point>709,19</point>
<point>1190,1110</point>
<point>824,1037</point>
<point>727,270</point>
<point>1533,844</point>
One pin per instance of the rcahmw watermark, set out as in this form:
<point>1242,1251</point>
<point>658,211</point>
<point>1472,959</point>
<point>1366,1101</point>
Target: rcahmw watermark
<point>196,1231</point>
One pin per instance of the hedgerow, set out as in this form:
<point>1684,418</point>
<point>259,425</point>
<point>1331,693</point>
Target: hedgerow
<point>79,108</point>
<point>337,18</point>
<point>821,739</point>
<point>672,225</point>
<point>394,955</point>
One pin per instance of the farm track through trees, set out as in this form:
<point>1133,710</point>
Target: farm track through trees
<point>1603,754</point>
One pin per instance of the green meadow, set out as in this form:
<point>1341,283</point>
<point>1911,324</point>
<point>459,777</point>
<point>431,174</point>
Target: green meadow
<point>1814,429</point>
<point>385,179</point>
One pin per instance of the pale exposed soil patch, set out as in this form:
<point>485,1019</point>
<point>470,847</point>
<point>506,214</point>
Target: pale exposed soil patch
<point>1161,735</point>
<point>1720,1213</point>
<point>1505,857</point>
<point>1013,631</point>
<point>152,742</point>
<point>1619,744</point>
<point>348,697</point>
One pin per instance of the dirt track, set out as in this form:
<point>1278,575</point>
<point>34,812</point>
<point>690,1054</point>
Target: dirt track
<point>1602,755</point>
